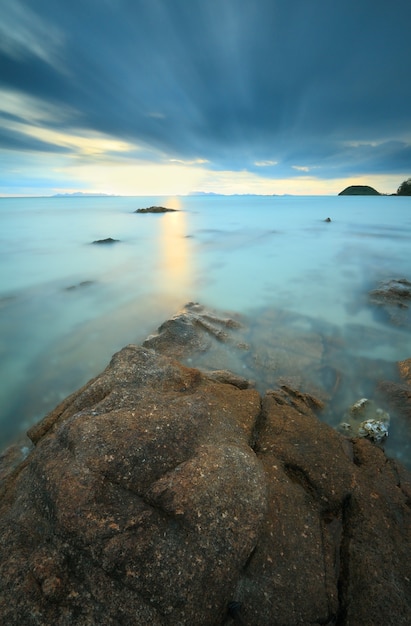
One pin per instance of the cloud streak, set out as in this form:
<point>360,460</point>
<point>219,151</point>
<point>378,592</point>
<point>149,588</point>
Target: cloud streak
<point>275,89</point>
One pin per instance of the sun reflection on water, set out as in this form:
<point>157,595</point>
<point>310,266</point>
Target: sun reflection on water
<point>175,253</point>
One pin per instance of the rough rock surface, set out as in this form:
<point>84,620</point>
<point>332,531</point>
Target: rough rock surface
<point>140,503</point>
<point>158,494</point>
<point>334,544</point>
<point>191,331</point>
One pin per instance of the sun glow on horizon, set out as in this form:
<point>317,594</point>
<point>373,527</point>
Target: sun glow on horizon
<point>95,163</point>
<point>80,159</point>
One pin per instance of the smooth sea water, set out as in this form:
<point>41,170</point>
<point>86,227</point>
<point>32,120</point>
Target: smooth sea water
<point>66,304</point>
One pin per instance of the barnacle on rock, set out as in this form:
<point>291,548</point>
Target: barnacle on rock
<point>376,430</point>
<point>365,419</point>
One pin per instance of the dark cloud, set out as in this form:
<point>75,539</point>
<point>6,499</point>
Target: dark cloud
<point>231,81</point>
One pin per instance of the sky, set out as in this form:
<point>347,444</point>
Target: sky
<point>166,97</point>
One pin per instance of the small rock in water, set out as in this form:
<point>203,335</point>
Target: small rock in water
<point>155,209</point>
<point>108,240</point>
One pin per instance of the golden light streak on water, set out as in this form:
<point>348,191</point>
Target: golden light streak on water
<point>175,252</point>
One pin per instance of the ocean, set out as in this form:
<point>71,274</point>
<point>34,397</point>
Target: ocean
<point>66,304</point>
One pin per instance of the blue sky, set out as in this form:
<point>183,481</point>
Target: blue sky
<point>152,97</point>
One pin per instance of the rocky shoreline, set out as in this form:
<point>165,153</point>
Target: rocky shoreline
<point>164,494</point>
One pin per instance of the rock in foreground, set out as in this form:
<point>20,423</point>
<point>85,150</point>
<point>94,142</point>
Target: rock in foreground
<point>158,494</point>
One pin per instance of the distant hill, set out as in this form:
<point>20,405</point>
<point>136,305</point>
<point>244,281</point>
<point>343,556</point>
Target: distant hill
<point>80,194</point>
<point>359,190</point>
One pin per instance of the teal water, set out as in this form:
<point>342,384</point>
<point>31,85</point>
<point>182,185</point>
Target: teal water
<point>66,305</point>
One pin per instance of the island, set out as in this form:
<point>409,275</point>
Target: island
<point>359,190</point>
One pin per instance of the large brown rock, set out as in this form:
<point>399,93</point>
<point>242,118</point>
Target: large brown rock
<point>157,494</point>
<point>336,540</point>
<point>140,504</point>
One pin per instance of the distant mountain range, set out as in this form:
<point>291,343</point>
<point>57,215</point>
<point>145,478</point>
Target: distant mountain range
<point>80,194</point>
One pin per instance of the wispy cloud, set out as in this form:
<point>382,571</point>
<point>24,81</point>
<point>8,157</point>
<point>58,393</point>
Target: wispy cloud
<point>265,163</point>
<point>156,115</point>
<point>301,168</point>
<point>24,34</point>
<point>33,109</point>
<point>217,86</point>
<point>190,162</point>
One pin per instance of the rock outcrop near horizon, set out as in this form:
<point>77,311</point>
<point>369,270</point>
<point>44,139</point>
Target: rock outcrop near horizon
<point>156,209</point>
<point>359,190</point>
<point>159,494</point>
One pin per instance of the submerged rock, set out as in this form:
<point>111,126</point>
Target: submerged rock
<point>81,285</point>
<point>193,330</point>
<point>160,494</point>
<point>393,297</point>
<point>287,349</point>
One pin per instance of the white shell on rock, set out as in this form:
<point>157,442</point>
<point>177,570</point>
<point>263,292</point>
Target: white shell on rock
<point>365,419</point>
<point>373,429</point>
